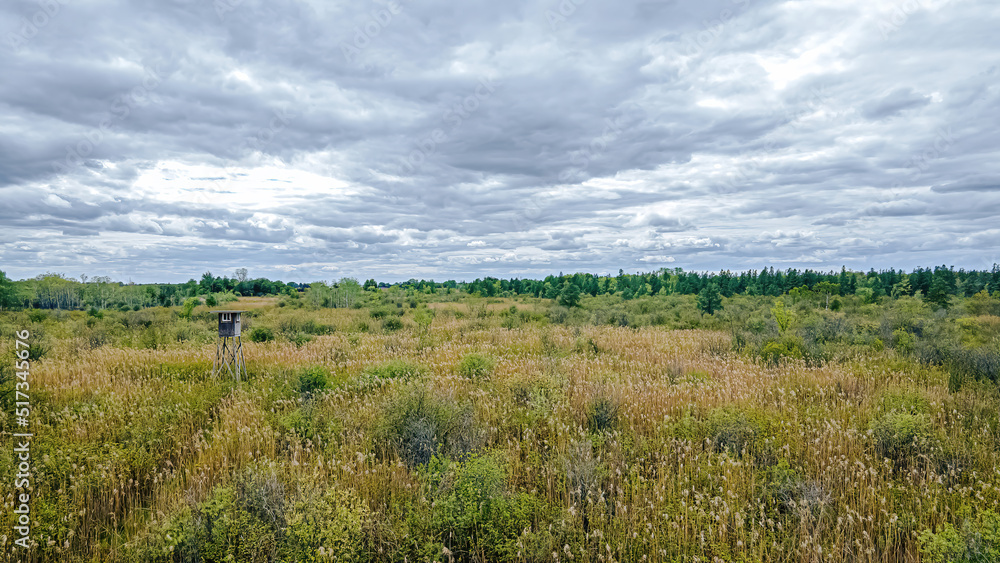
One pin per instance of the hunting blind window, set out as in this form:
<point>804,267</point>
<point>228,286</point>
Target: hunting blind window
<point>227,318</point>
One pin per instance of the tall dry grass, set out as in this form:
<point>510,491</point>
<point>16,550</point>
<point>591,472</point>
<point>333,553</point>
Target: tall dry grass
<point>628,444</point>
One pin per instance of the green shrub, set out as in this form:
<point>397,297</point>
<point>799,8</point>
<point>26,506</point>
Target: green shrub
<point>476,366</point>
<point>328,519</point>
<point>292,325</point>
<point>901,436</point>
<point>392,324</point>
<point>416,425</point>
<point>385,312</point>
<point>189,304</point>
<point>943,546</point>
<point>774,351</point>
<point>788,492</point>
<point>603,414</point>
<point>735,431</point>
<point>261,334</point>
<point>211,301</point>
<point>905,400</point>
<point>255,519</point>
<point>312,379</point>
<point>474,511</point>
<point>240,522</point>
<point>980,364</point>
<point>974,540</point>
<point>226,297</point>
<point>300,339</point>
<point>902,341</point>
<point>39,347</point>
<point>393,369</point>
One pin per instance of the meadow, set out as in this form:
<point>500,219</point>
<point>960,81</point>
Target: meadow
<point>449,427</point>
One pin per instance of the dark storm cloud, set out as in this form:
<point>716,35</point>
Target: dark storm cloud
<point>317,139</point>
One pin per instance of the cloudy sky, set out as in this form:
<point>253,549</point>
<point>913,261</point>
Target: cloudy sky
<point>305,140</point>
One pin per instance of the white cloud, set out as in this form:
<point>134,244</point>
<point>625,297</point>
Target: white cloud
<point>797,133</point>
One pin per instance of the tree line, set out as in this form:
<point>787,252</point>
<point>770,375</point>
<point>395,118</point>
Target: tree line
<point>937,285</point>
<point>57,291</point>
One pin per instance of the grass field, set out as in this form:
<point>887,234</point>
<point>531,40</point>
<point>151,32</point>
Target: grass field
<point>495,431</point>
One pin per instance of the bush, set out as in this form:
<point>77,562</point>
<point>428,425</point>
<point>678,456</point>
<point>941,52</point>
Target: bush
<point>392,324</point>
<point>292,325</point>
<point>901,436</point>
<point>789,492</point>
<point>312,379</point>
<point>902,341</point>
<point>476,366</point>
<point>774,351</point>
<point>39,347</point>
<point>261,334</point>
<point>240,522</point>
<point>416,425</point>
<point>980,364</point>
<point>328,519</point>
<point>394,369</point>
<point>476,513</point>
<point>189,304</point>
<point>973,540</point>
<point>603,414</point>
<point>300,338</point>
<point>256,519</point>
<point>735,431</point>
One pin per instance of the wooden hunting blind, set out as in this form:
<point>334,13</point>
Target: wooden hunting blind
<point>229,350</point>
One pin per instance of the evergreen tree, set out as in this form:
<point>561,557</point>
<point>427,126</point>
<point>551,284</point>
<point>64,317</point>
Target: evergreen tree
<point>710,299</point>
<point>570,295</point>
<point>938,293</point>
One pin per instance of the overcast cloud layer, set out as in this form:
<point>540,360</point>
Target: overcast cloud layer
<point>153,140</point>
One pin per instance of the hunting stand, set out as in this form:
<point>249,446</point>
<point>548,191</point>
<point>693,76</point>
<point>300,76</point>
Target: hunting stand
<point>229,350</point>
